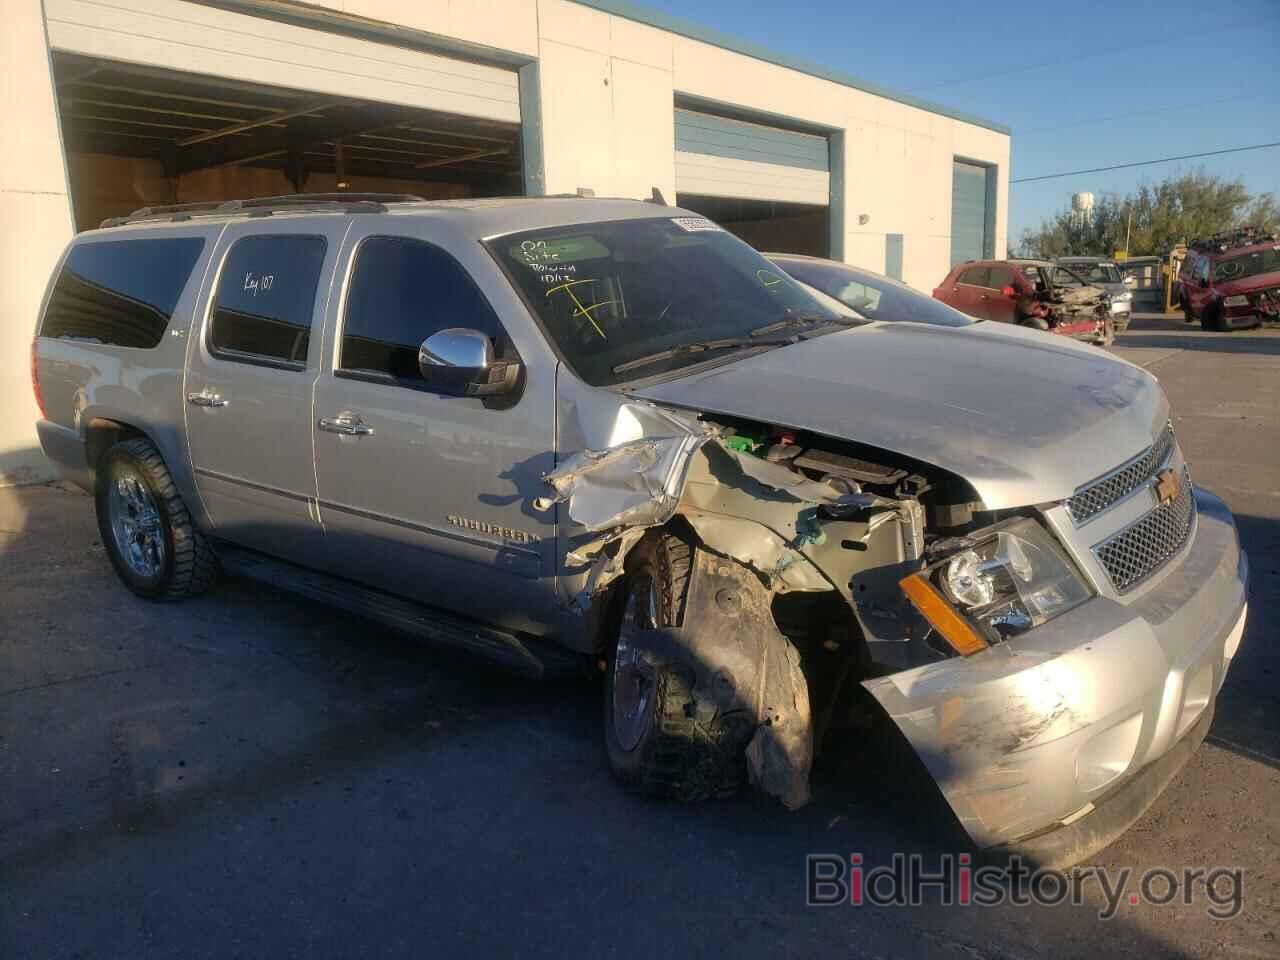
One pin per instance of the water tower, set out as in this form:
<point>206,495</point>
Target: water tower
<point>1081,208</point>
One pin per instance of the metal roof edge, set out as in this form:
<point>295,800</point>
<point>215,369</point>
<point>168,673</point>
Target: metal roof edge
<point>654,18</point>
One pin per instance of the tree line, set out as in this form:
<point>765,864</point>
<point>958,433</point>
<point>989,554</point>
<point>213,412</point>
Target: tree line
<point>1178,209</point>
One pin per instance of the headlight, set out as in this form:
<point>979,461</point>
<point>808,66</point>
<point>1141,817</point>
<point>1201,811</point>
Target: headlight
<point>1004,580</point>
<point>1239,300</point>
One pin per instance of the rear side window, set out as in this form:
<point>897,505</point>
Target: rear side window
<point>976,276</point>
<point>120,292</point>
<point>402,291</point>
<point>266,298</point>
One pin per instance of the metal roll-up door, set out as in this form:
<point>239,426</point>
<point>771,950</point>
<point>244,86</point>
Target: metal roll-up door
<point>972,212</point>
<point>177,35</point>
<point>720,157</point>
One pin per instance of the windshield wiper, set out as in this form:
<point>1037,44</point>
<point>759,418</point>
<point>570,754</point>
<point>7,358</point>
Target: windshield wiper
<point>701,346</point>
<point>804,320</point>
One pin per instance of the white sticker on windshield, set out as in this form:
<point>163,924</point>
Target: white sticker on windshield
<point>694,224</point>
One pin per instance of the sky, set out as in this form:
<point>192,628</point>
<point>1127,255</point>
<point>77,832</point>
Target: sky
<point>1084,84</point>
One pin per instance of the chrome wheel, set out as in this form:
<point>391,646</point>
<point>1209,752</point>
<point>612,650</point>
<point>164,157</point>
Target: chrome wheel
<point>135,523</point>
<point>634,680</point>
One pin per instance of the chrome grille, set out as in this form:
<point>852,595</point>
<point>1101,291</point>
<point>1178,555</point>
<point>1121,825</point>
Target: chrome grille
<point>1142,548</point>
<point>1091,499</point>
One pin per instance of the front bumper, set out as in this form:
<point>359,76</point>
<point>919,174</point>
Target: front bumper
<point>1033,734</point>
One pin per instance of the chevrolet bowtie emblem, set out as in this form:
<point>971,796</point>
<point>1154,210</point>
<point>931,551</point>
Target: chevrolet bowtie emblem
<point>1168,485</point>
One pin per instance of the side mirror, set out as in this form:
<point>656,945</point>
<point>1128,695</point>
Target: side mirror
<point>460,361</point>
<point>1008,292</point>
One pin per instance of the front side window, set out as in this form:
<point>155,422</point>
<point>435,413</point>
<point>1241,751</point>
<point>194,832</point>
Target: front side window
<point>402,291</point>
<point>874,296</point>
<point>120,292</point>
<point>637,298</point>
<point>266,298</point>
<point>1063,277</point>
<point>1001,277</point>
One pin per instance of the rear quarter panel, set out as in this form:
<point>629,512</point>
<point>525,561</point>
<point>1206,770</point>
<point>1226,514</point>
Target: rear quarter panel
<point>83,382</point>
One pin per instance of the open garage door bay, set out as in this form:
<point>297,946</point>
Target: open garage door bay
<point>770,186</point>
<point>164,101</point>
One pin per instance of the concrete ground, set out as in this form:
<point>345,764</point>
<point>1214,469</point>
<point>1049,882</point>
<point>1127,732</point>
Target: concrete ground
<point>249,774</point>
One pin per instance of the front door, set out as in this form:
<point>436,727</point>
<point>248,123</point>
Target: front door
<point>422,494</point>
<point>999,305</point>
<point>251,366</point>
<point>971,287</point>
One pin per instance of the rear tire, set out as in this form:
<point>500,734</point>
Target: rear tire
<point>659,739</point>
<point>1187,315</point>
<point>145,527</point>
<point>1035,323</point>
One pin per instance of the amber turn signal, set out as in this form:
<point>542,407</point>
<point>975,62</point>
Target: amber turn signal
<point>933,606</point>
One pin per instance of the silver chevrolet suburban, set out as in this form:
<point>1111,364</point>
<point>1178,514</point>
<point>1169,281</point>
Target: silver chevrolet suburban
<point>606,434</point>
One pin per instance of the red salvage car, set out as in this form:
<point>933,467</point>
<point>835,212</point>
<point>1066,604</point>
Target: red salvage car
<point>1232,280</point>
<point>1033,293</point>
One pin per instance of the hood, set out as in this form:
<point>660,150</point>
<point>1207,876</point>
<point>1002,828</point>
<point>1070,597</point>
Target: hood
<point>1024,417</point>
<point>1259,281</point>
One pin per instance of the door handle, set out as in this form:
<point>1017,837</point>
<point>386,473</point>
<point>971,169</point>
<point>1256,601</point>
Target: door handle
<point>205,399</point>
<point>346,426</point>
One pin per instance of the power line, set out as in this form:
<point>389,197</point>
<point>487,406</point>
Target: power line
<point>1147,163</point>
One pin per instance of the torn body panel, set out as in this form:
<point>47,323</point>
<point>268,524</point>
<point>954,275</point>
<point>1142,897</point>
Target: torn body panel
<point>1034,733</point>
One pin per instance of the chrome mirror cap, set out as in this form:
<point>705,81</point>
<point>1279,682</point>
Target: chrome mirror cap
<point>456,347</point>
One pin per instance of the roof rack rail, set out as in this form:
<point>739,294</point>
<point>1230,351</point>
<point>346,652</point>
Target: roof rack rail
<point>1245,236</point>
<point>265,206</point>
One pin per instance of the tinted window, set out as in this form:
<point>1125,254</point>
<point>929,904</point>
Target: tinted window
<point>1001,277</point>
<point>121,292</point>
<point>872,295</point>
<point>266,296</point>
<point>976,276</point>
<point>402,291</point>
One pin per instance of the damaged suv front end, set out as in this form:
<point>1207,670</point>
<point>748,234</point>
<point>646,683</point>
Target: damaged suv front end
<point>996,536</point>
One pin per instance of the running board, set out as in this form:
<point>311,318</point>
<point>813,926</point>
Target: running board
<point>507,649</point>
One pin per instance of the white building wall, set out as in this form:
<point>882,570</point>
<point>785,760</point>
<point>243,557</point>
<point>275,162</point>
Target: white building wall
<point>35,225</point>
<point>606,86</point>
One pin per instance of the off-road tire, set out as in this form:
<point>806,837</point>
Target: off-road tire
<point>1211,320</point>
<point>683,754</point>
<point>189,564</point>
<point>1035,323</point>
<point>1187,315</point>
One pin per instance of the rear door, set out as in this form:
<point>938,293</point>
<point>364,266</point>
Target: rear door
<point>970,289</point>
<point>251,367</point>
<point>429,495</point>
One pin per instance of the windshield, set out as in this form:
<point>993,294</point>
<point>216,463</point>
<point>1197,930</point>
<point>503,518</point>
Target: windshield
<point>1096,272</point>
<point>610,293</point>
<point>1247,265</point>
<point>872,295</point>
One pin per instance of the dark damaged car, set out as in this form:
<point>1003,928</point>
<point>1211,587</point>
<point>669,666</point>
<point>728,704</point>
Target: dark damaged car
<point>607,433</point>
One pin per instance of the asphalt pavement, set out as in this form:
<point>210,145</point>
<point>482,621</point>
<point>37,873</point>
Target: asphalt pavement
<point>250,774</point>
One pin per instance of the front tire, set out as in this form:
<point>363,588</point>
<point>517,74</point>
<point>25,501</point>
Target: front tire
<point>145,527</point>
<point>1212,320</point>
<point>659,740</point>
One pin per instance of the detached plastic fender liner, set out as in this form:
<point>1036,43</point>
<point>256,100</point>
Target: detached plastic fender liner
<point>743,664</point>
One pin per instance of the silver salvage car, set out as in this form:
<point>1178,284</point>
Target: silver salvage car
<point>567,433</point>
